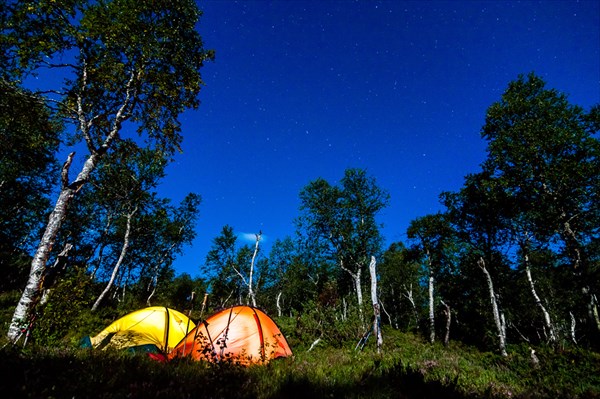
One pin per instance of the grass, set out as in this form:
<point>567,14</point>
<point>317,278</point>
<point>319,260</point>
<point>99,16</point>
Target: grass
<point>408,367</point>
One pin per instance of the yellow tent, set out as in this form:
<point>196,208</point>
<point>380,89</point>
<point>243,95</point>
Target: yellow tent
<point>154,326</point>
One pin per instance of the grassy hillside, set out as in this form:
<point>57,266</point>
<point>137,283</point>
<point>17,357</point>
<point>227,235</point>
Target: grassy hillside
<point>407,368</point>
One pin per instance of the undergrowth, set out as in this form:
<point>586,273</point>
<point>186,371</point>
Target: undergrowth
<point>407,367</point>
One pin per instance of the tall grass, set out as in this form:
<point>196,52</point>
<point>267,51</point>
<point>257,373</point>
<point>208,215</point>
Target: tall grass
<point>408,367</point>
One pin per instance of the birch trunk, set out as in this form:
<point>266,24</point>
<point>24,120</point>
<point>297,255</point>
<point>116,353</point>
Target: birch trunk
<point>279,312</point>
<point>375,302</point>
<point>593,305</point>
<point>156,270</point>
<point>119,261</point>
<point>431,311</point>
<point>251,293</point>
<point>448,313</point>
<point>594,309</point>
<point>356,278</point>
<point>31,293</point>
<point>498,319</point>
<point>358,288</point>
<point>154,283</point>
<point>573,323</point>
<point>431,304</point>
<point>409,296</point>
<point>547,320</point>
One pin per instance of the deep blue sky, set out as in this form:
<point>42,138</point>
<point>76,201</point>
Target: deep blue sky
<point>301,90</point>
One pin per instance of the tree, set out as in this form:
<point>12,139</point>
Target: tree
<point>343,219</point>
<point>434,239</point>
<point>375,303</point>
<point>232,269</point>
<point>288,281</point>
<point>179,290</point>
<point>219,266</point>
<point>29,138</point>
<point>401,290</point>
<point>479,213</point>
<point>543,153</point>
<point>163,234</point>
<point>128,62</point>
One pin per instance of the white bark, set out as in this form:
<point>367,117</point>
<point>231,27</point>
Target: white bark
<point>573,324</point>
<point>31,292</point>
<point>594,309</point>
<point>498,319</point>
<point>154,283</point>
<point>358,288</point>
<point>409,296</point>
<point>279,312</point>
<point>547,320</point>
<point>251,293</point>
<point>389,316</point>
<point>315,343</point>
<point>448,313</point>
<point>119,261</point>
<point>593,305</point>
<point>356,278</point>
<point>431,311</point>
<point>375,302</point>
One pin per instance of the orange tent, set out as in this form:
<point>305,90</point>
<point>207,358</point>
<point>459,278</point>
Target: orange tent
<point>241,334</point>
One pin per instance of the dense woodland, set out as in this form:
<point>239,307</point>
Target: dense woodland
<point>512,261</point>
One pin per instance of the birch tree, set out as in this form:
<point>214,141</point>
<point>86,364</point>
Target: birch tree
<point>479,213</point>
<point>434,239</point>
<point>233,270</point>
<point>544,152</point>
<point>119,261</point>
<point>550,328</point>
<point>375,303</point>
<point>29,139</point>
<point>124,62</point>
<point>499,319</point>
<point>344,219</point>
<point>400,287</point>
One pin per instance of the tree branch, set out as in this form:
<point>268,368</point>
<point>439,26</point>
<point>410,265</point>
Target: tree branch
<point>65,171</point>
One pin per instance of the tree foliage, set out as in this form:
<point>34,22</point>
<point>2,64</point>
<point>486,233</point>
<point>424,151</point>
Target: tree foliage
<point>122,62</point>
<point>29,139</point>
<point>343,220</point>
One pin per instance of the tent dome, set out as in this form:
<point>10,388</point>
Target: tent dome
<point>241,334</point>
<point>156,326</point>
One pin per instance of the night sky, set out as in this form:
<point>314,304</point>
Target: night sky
<point>301,90</point>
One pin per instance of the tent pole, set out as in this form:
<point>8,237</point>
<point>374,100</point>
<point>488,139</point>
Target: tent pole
<point>224,344</point>
<point>203,305</point>
<point>167,324</point>
<point>187,327</point>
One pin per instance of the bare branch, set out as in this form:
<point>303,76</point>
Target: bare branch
<point>65,170</point>
<point>121,113</point>
<point>84,126</point>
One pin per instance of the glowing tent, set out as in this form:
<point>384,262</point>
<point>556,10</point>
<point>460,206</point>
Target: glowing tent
<point>150,329</point>
<point>241,334</point>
